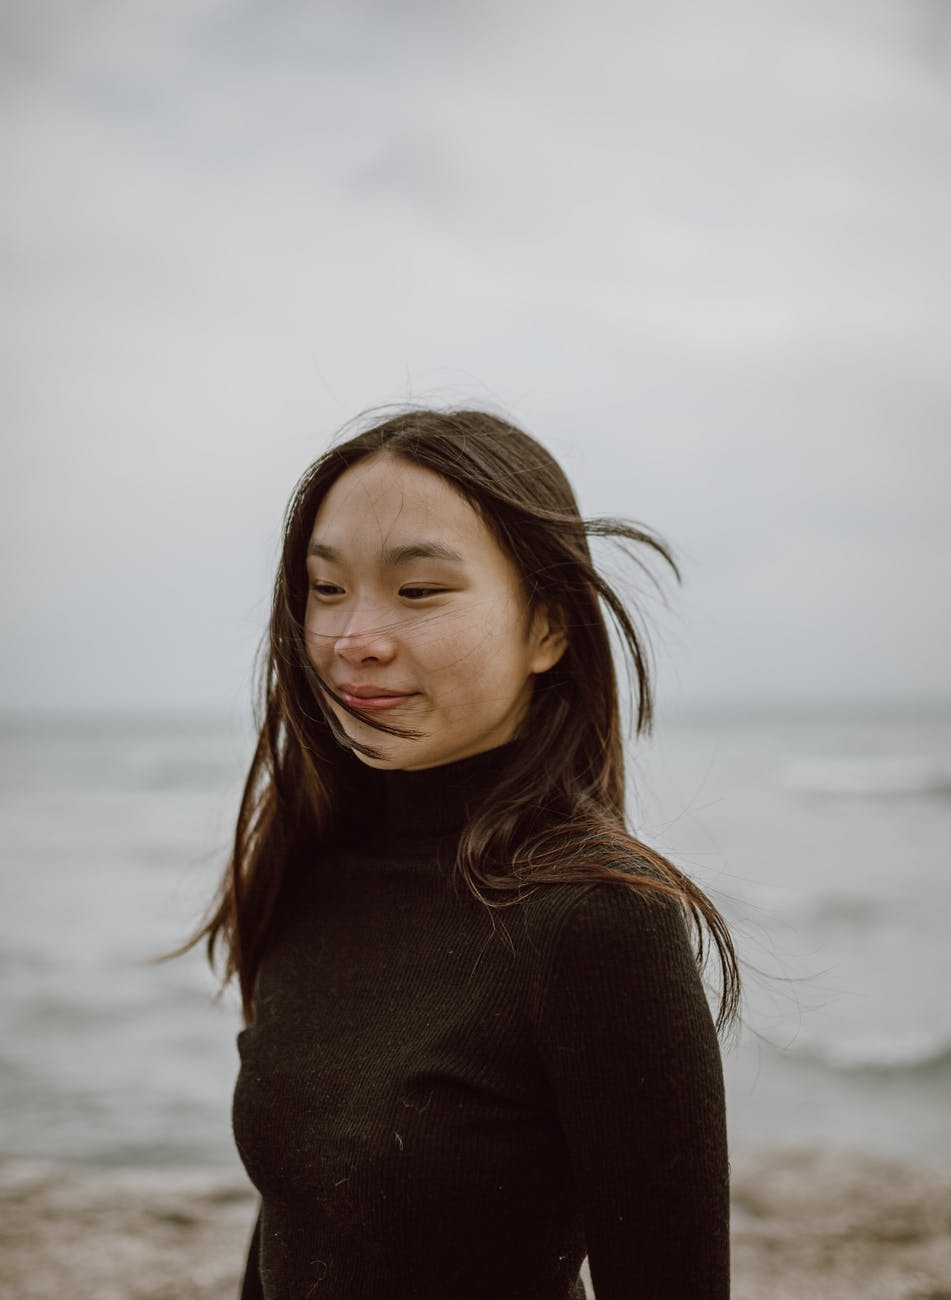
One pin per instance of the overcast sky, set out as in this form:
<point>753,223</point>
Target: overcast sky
<point>701,251</point>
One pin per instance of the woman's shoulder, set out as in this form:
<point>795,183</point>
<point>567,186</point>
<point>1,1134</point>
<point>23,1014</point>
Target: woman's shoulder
<point>619,952</point>
<point>605,916</point>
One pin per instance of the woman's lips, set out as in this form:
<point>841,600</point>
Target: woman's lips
<point>361,697</point>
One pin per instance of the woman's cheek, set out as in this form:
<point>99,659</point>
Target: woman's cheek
<point>314,644</point>
<point>442,640</point>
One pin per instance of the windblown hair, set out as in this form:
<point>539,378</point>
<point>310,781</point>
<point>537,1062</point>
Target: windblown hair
<point>557,814</point>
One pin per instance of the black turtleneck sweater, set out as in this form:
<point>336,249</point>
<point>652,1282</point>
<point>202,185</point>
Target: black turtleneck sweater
<point>435,1111</point>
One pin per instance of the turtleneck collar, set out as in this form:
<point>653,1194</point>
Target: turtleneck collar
<point>434,803</point>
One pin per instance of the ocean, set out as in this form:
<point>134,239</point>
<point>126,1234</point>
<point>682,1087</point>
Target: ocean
<point>825,842</point>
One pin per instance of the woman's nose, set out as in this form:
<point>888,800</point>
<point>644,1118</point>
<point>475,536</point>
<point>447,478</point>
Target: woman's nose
<point>364,639</point>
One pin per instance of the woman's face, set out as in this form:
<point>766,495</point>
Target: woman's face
<point>416,616</point>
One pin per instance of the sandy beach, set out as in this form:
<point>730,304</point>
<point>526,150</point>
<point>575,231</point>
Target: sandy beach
<point>807,1225</point>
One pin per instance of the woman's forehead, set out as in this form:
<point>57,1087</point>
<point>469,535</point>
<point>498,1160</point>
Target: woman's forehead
<point>387,504</point>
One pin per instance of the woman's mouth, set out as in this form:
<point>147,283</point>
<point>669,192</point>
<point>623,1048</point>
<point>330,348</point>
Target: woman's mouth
<point>372,697</point>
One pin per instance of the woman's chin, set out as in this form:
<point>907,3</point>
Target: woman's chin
<point>388,751</point>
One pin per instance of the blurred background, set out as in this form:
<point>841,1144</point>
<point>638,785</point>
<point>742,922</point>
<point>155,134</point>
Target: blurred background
<point>702,253</point>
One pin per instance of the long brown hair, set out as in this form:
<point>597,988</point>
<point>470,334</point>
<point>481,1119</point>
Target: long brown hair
<point>557,814</point>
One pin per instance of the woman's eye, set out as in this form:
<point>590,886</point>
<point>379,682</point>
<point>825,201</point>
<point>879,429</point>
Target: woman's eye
<point>325,589</point>
<point>419,593</point>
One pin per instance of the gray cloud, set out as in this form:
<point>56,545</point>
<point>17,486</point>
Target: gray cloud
<point>702,254</point>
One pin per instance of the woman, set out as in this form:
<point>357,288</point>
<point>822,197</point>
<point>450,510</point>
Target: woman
<point>477,1044</point>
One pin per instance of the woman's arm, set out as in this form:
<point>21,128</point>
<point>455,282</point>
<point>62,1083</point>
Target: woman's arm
<point>628,1044</point>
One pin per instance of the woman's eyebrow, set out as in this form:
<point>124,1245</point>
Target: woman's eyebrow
<point>394,556</point>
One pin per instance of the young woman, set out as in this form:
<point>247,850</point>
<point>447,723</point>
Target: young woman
<point>477,1045</point>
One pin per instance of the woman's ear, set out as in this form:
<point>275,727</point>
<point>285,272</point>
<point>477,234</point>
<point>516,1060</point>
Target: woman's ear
<point>548,638</point>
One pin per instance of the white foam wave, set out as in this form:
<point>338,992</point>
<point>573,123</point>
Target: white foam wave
<point>907,774</point>
<point>910,1052</point>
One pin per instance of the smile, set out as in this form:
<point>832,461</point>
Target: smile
<point>373,698</point>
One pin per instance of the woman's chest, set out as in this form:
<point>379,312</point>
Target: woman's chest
<point>386,1050</point>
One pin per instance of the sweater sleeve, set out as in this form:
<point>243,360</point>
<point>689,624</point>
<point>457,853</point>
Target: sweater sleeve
<point>251,1283</point>
<point>628,1045</point>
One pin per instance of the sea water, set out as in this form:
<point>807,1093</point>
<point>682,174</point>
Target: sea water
<point>825,842</point>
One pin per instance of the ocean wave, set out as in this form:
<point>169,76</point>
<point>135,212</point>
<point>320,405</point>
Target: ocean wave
<point>841,911</point>
<point>869,776</point>
<point>924,1053</point>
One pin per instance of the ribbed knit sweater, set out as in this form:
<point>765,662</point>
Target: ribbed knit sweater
<point>435,1111</point>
